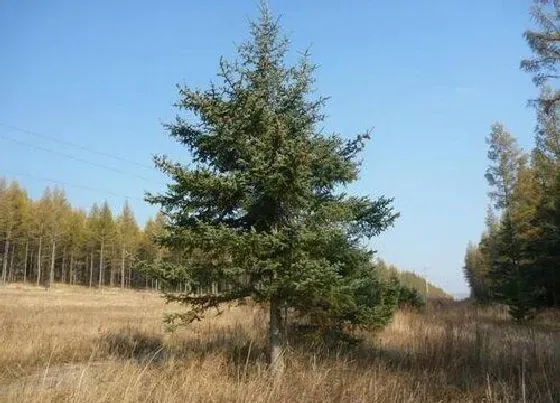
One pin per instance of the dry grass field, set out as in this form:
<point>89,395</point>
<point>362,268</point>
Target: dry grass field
<point>77,345</point>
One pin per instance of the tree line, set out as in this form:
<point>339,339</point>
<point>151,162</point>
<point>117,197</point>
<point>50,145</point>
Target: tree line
<point>411,280</point>
<point>517,260</point>
<point>47,241</point>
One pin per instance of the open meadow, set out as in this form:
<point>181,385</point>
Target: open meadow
<point>80,345</point>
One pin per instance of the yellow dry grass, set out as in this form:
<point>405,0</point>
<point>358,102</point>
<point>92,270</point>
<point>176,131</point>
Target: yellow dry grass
<point>77,345</point>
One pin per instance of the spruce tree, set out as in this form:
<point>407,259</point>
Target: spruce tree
<point>260,210</point>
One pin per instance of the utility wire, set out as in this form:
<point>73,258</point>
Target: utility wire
<point>46,149</point>
<point>77,146</point>
<point>101,191</point>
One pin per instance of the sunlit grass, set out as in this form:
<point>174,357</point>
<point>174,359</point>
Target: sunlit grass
<point>80,345</point>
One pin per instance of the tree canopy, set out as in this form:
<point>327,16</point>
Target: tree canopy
<point>517,260</point>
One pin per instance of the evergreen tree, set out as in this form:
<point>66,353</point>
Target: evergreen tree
<point>259,209</point>
<point>506,163</point>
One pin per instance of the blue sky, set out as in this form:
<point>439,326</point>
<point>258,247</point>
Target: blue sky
<point>430,76</point>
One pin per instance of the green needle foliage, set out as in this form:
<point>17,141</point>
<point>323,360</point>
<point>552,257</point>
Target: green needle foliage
<point>517,260</point>
<point>259,213</point>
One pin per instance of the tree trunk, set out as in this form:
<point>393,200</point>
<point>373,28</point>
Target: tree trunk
<point>112,271</point>
<point>63,267</point>
<point>276,355</point>
<point>25,262</point>
<point>5,260</point>
<point>11,270</point>
<point>79,268</point>
<point>71,269</point>
<point>122,266</point>
<point>90,269</point>
<point>555,294</point>
<point>101,263</point>
<point>53,251</point>
<point>39,262</point>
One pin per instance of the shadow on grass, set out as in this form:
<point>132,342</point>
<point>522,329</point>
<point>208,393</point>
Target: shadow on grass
<point>132,344</point>
<point>505,362</point>
<point>475,362</point>
<point>457,358</point>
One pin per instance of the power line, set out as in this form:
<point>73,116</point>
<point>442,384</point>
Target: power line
<point>77,146</point>
<point>102,191</point>
<point>46,149</point>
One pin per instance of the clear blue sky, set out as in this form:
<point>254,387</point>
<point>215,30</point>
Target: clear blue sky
<point>431,76</point>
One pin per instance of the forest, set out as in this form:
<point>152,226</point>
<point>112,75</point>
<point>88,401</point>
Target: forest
<point>48,241</point>
<point>516,261</point>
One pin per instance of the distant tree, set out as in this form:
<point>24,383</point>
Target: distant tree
<point>154,252</point>
<point>476,273</point>
<point>49,233</point>
<point>127,235</point>
<point>102,230</point>
<point>13,200</point>
<point>259,209</point>
<point>77,240</point>
<point>407,297</point>
<point>413,282</point>
<point>41,212</point>
<point>479,259</point>
<point>58,209</point>
<point>25,233</point>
